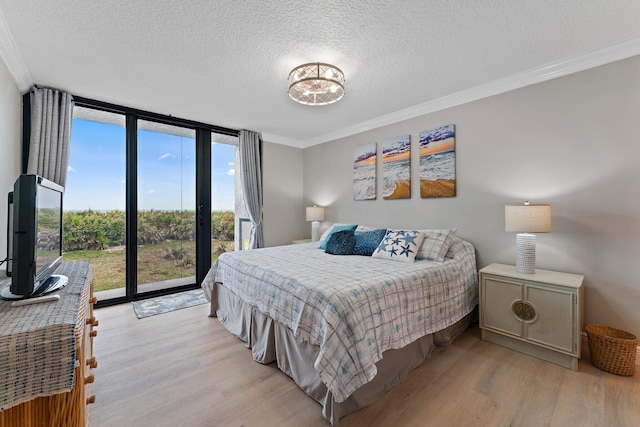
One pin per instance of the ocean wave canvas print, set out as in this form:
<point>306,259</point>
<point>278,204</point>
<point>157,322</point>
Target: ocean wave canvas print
<point>365,158</point>
<point>396,166</point>
<point>438,162</point>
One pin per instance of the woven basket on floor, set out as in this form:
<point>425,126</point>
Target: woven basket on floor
<point>612,350</point>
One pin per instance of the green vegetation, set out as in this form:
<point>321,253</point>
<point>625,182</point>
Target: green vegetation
<point>166,244</point>
<point>90,230</point>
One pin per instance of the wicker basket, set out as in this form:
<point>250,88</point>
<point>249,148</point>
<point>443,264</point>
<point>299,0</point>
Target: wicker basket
<point>612,350</point>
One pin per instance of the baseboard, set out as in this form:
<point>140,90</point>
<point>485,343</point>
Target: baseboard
<point>585,348</point>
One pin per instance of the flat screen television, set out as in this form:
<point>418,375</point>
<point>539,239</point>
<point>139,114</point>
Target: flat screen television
<point>35,237</point>
<point>9,232</point>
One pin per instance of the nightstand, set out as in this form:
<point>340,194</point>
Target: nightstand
<point>297,242</point>
<point>537,314</point>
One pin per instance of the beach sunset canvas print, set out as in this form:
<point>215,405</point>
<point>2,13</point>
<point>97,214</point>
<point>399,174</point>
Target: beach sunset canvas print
<point>364,171</point>
<point>396,161</point>
<point>438,162</point>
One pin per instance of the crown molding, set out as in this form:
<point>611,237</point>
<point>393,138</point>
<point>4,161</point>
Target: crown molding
<point>11,56</point>
<point>283,140</point>
<point>563,67</point>
<point>15,64</point>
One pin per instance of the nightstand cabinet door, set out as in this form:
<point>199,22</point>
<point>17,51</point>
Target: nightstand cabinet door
<point>555,318</point>
<point>497,299</point>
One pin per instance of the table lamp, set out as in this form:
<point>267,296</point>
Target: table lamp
<point>526,219</point>
<point>315,214</point>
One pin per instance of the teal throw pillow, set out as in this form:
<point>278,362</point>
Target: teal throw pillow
<point>368,241</point>
<point>341,243</point>
<point>351,227</point>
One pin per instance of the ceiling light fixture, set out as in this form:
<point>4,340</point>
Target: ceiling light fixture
<point>316,83</point>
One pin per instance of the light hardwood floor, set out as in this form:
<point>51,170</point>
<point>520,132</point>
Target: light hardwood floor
<point>184,369</point>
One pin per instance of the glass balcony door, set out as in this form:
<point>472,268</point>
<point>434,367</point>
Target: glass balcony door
<point>166,206</point>
<point>139,194</point>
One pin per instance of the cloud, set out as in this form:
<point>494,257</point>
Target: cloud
<point>230,172</point>
<point>70,169</point>
<point>231,163</point>
<point>123,181</point>
<point>151,191</point>
<point>165,155</point>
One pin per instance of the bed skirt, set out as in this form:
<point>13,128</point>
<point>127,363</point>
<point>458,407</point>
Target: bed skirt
<point>271,341</point>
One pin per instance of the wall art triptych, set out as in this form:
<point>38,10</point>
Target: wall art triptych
<point>364,171</point>
<point>437,172</point>
<point>438,162</point>
<point>396,168</point>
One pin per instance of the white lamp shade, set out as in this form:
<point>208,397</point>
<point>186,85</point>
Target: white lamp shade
<point>315,213</point>
<point>527,218</point>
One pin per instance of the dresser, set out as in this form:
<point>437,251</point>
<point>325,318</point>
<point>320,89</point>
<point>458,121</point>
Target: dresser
<point>46,366</point>
<point>538,314</point>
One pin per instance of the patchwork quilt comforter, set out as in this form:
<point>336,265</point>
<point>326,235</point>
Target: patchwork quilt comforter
<point>353,307</point>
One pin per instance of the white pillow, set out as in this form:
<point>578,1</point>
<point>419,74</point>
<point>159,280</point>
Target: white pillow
<point>436,244</point>
<point>399,245</point>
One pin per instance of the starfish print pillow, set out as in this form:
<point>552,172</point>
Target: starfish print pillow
<point>399,245</point>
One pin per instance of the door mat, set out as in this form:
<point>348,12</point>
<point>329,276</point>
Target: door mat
<point>167,303</point>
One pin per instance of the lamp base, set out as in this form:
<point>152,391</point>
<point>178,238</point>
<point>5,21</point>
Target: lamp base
<point>315,226</point>
<point>526,253</point>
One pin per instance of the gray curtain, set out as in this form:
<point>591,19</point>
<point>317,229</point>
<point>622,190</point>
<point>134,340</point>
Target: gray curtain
<point>51,112</point>
<point>250,144</point>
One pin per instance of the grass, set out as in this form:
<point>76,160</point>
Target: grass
<point>156,262</point>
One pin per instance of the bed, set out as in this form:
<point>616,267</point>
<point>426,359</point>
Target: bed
<point>346,329</point>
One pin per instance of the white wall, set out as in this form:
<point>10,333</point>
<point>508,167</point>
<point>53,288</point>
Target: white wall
<point>573,142</point>
<point>10,143</point>
<point>284,213</point>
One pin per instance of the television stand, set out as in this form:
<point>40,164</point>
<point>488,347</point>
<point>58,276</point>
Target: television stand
<point>47,350</point>
<point>53,283</point>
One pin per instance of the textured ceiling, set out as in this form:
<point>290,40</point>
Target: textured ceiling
<point>226,62</point>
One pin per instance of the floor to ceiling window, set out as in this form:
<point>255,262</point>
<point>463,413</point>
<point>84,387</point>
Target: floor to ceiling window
<point>95,197</point>
<point>166,226</point>
<point>151,180</point>
<point>227,205</point>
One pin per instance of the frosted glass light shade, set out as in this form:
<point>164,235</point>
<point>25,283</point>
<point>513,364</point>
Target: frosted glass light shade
<point>315,213</point>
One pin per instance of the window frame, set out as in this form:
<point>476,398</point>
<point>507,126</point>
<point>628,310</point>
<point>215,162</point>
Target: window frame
<point>203,133</point>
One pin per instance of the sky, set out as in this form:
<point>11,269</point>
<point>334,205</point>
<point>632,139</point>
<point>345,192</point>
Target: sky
<point>166,170</point>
